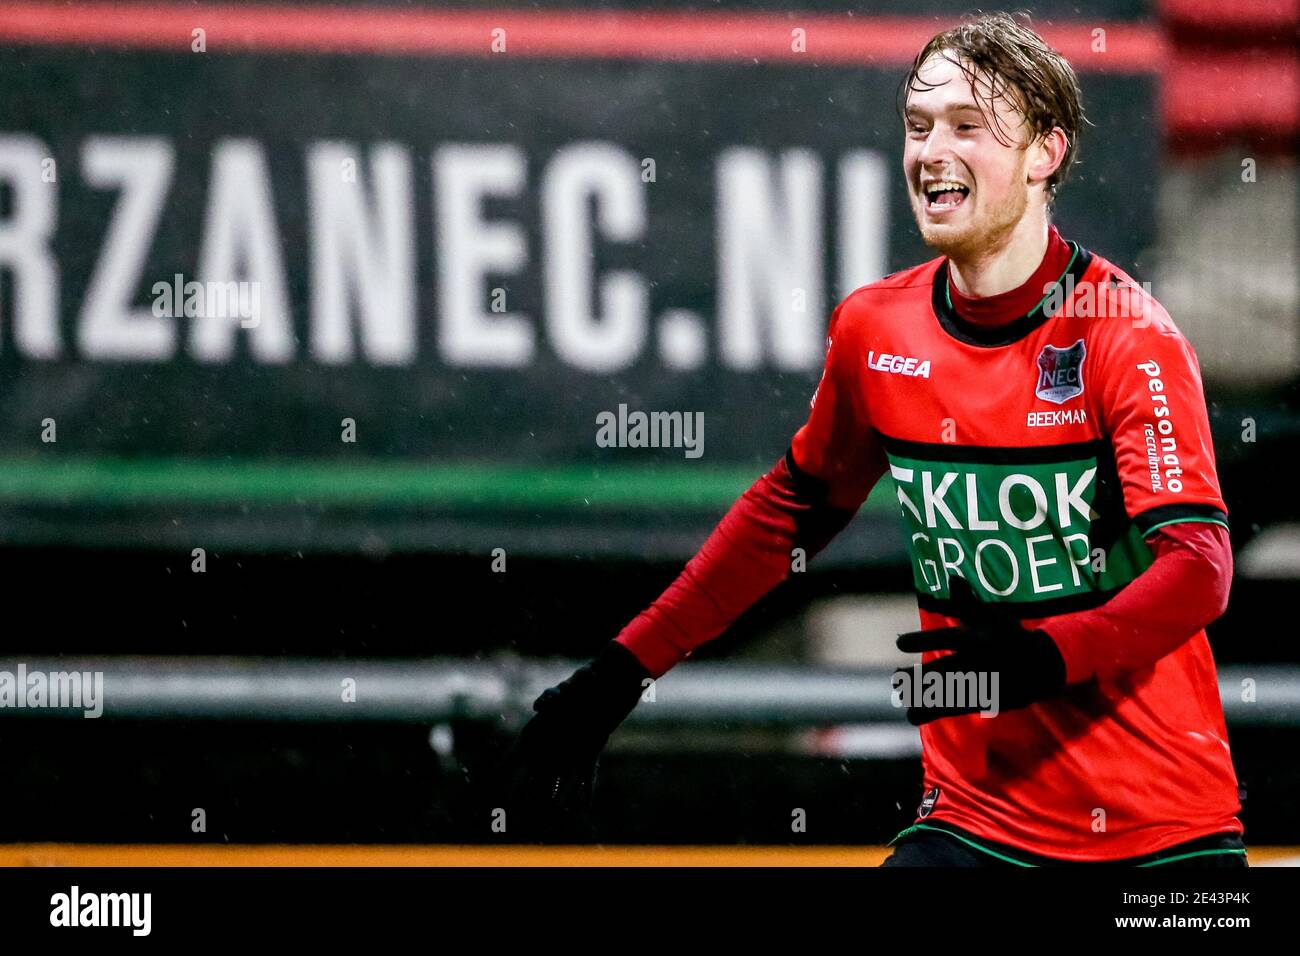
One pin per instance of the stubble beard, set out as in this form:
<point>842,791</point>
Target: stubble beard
<point>981,238</point>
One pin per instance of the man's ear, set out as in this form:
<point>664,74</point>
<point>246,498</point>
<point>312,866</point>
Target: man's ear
<point>1046,155</point>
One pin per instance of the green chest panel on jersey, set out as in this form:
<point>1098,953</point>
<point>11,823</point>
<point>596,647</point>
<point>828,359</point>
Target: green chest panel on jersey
<point>1041,531</point>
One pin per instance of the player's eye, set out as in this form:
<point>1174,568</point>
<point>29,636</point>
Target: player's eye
<point>968,126</point>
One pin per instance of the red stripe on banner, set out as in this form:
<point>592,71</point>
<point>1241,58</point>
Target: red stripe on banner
<point>579,34</point>
<point>1233,92</point>
<point>1261,14</point>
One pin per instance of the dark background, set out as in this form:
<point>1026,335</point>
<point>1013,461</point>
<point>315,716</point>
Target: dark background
<point>89,574</point>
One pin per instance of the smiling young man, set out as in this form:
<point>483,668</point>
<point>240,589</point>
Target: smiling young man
<point>1044,425</point>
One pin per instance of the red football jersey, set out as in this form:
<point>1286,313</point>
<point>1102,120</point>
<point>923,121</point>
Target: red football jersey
<point>1033,458</point>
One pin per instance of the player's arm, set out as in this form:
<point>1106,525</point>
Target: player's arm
<point>807,497</point>
<point>1183,591</point>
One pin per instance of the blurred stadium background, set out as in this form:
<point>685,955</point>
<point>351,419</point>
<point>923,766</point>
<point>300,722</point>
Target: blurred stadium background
<point>473,228</point>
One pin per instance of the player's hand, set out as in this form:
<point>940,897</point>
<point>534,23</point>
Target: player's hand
<point>1027,664</point>
<point>547,777</point>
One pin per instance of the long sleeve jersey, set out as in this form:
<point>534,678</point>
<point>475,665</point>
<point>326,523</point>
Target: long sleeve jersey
<point>1060,461</point>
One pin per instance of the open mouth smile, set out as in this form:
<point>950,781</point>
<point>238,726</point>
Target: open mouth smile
<point>942,196</point>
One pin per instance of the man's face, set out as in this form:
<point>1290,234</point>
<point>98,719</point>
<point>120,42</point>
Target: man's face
<point>949,142</point>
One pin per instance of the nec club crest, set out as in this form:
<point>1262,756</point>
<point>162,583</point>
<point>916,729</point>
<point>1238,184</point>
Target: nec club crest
<point>1060,372</point>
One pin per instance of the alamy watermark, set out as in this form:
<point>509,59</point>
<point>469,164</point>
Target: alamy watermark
<point>73,690</point>
<point>75,908</point>
<point>1112,299</point>
<point>946,690</point>
<point>221,300</point>
<point>626,429</point>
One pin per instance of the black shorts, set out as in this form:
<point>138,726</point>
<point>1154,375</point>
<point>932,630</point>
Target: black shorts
<point>942,844</point>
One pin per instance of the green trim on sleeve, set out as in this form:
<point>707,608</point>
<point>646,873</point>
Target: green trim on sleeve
<point>1187,520</point>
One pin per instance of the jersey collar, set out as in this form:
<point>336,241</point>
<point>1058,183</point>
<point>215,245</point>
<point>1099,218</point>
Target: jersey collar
<point>991,336</point>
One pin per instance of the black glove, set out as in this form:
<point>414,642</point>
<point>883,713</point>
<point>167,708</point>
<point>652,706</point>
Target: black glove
<point>547,777</point>
<point>1028,665</point>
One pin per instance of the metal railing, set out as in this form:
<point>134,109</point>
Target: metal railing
<point>503,689</point>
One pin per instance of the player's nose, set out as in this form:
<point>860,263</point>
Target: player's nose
<point>936,151</point>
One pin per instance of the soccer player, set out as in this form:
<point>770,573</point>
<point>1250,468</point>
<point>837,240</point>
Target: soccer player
<point>1044,424</point>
